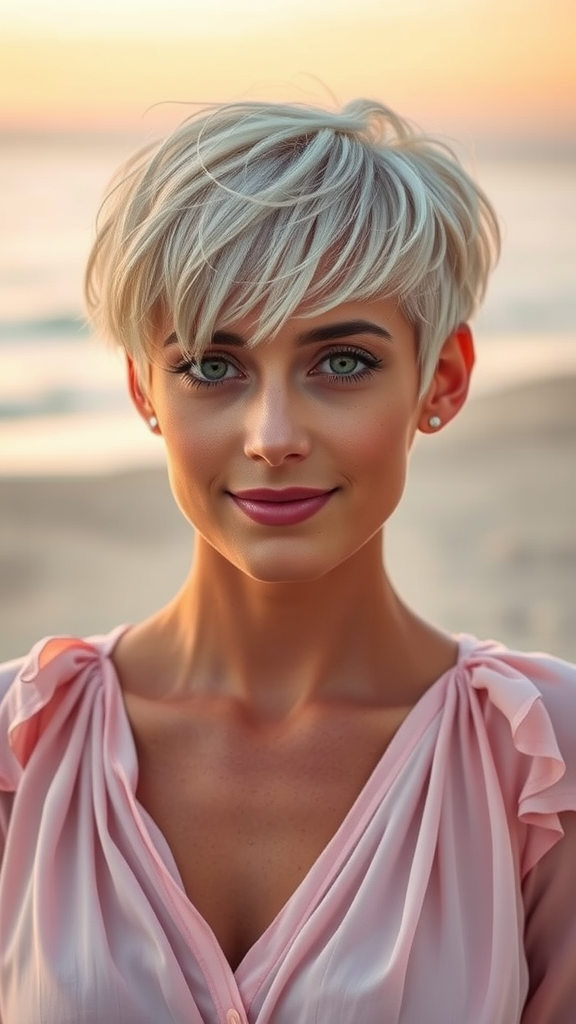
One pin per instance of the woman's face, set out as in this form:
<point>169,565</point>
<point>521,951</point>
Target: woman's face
<point>330,405</point>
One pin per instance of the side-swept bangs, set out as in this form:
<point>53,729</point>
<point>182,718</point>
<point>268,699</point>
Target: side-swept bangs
<point>264,209</point>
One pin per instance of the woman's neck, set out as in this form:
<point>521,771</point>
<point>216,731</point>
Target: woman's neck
<point>278,646</point>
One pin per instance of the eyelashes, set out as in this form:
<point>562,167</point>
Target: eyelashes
<point>215,368</point>
<point>341,372</point>
<point>346,365</point>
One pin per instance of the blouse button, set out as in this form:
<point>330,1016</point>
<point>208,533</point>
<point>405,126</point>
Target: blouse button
<point>232,1017</point>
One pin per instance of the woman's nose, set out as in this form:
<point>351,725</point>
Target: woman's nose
<point>275,429</point>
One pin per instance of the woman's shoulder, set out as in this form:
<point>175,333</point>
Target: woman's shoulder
<point>536,693</point>
<point>517,682</point>
<point>33,685</point>
<point>48,649</point>
<point>537,664</point>
<point>528,704</point>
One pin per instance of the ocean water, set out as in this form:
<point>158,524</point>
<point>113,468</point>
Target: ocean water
<point>63,404</point>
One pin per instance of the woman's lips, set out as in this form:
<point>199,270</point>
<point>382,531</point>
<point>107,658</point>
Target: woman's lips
<point>271,507</point>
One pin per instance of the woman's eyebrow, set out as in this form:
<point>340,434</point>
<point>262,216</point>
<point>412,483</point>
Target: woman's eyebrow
<point>329,332</point>
<point>346,329</point>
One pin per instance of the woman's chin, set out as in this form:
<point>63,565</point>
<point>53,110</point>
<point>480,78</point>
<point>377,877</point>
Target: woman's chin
<point>284,563</point>
<point>281,571</point>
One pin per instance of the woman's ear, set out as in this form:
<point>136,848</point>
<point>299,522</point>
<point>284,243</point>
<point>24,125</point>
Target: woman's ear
<point>139,396</point>
<point>448,388</point>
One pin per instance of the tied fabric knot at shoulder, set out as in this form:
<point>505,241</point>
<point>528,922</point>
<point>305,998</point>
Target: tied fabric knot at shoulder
<point>34,703</point>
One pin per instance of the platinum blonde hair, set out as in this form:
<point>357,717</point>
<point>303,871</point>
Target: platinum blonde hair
<point>262,206</point>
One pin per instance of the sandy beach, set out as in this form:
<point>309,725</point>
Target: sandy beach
<point>484,541</point>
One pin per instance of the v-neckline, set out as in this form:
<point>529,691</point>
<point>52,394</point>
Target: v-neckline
<point>321,873</point>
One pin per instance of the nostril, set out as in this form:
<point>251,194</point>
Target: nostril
<point>277,444</point>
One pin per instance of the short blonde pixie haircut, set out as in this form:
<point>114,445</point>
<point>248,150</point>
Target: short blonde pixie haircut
<point>260,206</point>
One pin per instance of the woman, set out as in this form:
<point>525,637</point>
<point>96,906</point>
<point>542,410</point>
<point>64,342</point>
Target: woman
<point>284,797</point>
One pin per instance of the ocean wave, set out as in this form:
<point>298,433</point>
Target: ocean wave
<point>61,402</point>
<point>63,326</point>
<point>58,375</point>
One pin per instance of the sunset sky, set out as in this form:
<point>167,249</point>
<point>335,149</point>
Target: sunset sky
<point>493,67</point>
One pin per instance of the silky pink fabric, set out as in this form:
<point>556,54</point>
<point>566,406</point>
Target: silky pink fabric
<point>447,896</point>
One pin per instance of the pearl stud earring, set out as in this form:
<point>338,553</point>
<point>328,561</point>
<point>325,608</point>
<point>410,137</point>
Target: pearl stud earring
<point>152,422</point>
<point>434,422</point>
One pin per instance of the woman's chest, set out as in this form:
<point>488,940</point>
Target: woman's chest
<point>408,916</point>
<point>246,816</point>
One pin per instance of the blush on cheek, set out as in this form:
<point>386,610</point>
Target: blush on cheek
<point>382,443</point>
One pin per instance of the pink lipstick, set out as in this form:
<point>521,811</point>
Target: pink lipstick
<point>285,507</point>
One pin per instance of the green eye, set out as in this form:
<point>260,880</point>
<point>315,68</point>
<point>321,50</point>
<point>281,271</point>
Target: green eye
<point>208,371</point>
<point>342,364</point>
<point>346,366</point>
<point>213,369</point>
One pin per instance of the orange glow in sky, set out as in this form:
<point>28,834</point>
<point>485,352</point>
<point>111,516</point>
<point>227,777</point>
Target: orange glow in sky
<point>503,66</point>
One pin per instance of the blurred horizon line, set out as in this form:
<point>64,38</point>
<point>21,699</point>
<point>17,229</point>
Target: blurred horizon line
<point>534,145</point>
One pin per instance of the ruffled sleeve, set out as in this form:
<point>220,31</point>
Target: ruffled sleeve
<point>536,695</point>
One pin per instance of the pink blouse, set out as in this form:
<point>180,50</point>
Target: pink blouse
<point>447,895</point>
